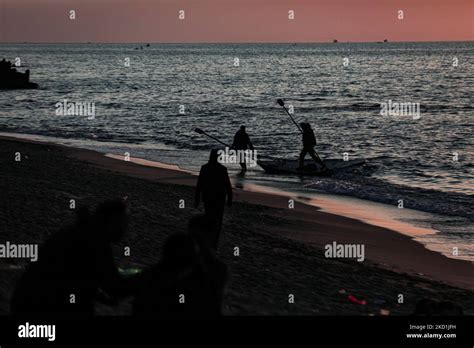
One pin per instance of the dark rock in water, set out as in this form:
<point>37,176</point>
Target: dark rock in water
<point>10,78</point>
<point>335,41</point>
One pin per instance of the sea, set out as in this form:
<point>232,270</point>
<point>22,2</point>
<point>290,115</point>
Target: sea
<point>149,99</point>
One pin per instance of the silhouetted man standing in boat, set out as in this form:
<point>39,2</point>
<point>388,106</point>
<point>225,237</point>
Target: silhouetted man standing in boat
<point>309,142</point>
<point>242,142</point>
<point>214,187</point>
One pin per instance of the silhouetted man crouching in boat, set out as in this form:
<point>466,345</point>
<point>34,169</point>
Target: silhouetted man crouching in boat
<point>214,187</point>
<point>309,142</point>
<point>242,142</point>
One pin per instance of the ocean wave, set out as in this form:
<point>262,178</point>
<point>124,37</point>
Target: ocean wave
<point>382,191</point>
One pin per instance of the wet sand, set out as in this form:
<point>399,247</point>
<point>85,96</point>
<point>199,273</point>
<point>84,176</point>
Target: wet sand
<point>281,249</point>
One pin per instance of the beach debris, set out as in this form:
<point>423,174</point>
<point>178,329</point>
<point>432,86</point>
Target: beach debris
<point>129,271</point>
<point>354,299</point>
<point>342,291</point>
<point>384,312</point>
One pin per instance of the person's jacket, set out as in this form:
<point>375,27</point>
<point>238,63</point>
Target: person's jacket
<point>213,183</point>
<point>309,140</point>
<point>242,141</point>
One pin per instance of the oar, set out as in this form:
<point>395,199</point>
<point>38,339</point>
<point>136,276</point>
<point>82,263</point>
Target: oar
<point>282,104</point>
<point>200,131</point>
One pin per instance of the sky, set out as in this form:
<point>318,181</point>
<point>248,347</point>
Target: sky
<point>235,20</point>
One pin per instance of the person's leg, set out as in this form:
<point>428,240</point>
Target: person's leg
<point>316,158</point>
<point>302,155</point>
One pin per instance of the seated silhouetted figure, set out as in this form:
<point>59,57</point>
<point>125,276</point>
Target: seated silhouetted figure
<point>73,264</point>
<point>187,282</point>
<point>214,186</point>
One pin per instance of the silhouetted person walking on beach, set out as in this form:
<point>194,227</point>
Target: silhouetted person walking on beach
<point>309,142</point>
<point>187,282</point>
<point>242,142</point>
<point>214,186</point>
<point>73,264</point>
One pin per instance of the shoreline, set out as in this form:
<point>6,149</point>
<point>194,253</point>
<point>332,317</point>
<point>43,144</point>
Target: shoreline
<point>307,223</point>
<point>369,190</point>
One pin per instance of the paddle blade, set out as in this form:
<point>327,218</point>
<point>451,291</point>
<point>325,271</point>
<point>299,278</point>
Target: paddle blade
<point>198,130</point>
<point>280,102</point>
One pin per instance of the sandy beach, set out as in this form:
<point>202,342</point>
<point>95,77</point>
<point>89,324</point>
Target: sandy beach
<point>281,249</point>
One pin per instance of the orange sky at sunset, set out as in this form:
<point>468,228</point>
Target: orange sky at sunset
<point>235,20</point>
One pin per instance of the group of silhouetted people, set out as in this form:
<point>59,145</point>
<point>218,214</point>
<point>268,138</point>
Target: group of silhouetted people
<point>242,142</point>
<point>76,269</point>
<point>214,187</point>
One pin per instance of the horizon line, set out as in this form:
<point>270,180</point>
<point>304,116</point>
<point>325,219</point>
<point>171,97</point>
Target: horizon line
<point>224,43</point>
